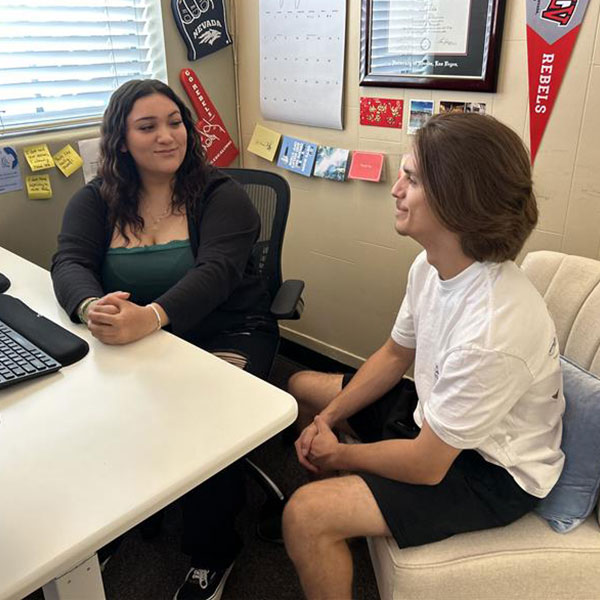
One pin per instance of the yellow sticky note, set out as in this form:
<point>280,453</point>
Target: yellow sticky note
<point>67,160</point>
<point>264,142</point>
<point>38,157</point>
<point>38,187</point>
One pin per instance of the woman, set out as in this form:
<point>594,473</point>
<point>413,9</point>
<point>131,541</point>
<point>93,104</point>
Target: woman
<point>161,239</point>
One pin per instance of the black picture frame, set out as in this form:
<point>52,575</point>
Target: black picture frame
<point>475,70</point>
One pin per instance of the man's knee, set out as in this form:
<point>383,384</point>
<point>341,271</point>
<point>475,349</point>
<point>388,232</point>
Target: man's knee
<point>299,384</point>
<point>313,390</point>
<point>305,513</point>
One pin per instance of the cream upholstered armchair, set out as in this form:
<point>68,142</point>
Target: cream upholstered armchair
<point>526,560</point>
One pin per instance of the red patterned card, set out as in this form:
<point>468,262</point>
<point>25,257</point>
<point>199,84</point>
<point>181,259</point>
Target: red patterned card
<point>381,112</point>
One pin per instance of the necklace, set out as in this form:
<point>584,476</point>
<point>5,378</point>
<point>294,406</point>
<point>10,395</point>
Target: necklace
<point>156,220</point>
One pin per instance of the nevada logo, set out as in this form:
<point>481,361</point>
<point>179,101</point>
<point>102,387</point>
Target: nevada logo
<point>560,11</point>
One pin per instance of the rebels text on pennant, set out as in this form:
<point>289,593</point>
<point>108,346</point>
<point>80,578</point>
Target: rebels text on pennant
<point>552,28</point>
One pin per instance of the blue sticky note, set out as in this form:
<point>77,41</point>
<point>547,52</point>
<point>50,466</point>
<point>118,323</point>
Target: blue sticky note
<point>10,175</point>
<point>297,156</point>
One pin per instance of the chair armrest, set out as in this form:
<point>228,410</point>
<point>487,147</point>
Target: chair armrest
<point>288,304</point>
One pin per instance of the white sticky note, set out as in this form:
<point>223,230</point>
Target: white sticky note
<point>90,153</point>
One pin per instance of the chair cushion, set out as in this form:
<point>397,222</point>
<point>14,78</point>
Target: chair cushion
<point>524,560</point>
<point>574,496</point>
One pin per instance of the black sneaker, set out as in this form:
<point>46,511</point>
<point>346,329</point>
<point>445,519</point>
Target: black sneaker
<point>203,584</point>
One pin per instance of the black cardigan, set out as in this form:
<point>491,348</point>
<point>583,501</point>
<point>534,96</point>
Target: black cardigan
<point>218,293</point>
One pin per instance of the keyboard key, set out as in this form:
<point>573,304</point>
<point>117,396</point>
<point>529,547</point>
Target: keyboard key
<point>20,359</point>
<point>20,340</point>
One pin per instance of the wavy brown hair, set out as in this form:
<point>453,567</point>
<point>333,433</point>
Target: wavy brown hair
<point>477,179</point>
<point>121,185</point>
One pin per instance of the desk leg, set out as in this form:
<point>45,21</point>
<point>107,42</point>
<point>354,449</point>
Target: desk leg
<point>84,581</point>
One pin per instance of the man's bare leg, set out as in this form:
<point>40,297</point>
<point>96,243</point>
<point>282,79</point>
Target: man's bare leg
<point>317,521</point>
<point>314,391</point>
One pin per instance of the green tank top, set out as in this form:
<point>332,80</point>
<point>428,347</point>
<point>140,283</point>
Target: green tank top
<point>146,272</point>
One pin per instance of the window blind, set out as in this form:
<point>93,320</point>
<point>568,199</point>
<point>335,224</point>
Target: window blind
<point>60,60</point>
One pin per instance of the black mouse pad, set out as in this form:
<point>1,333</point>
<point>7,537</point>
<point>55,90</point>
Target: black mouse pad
<point>4,283</point>
<point>60,344</point>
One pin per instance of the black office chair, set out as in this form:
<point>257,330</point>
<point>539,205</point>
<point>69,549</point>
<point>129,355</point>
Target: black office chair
<point>270,194</point>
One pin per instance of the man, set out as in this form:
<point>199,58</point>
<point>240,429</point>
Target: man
<point>474,443</point>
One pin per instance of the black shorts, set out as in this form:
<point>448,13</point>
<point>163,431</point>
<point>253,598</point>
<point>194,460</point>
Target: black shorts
<point>473,495</point>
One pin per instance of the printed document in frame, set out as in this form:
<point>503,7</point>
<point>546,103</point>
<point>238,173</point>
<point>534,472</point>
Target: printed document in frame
<point>302,61</point>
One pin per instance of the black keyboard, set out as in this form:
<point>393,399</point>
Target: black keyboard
<point>20,359</point>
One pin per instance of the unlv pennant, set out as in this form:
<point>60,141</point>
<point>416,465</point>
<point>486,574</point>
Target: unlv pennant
<point>560,11</point>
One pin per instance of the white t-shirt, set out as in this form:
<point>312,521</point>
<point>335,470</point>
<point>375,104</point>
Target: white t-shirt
<point>487,367</point>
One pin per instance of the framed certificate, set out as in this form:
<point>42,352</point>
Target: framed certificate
<point>439,44</point>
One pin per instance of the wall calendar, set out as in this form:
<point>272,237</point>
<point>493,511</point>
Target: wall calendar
<point>302,61</point>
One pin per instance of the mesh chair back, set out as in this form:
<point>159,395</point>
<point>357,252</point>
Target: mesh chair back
<point>270,194</point>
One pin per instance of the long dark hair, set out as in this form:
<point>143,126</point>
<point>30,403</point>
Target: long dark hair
<point>477,180</point>
<point>121,184</point>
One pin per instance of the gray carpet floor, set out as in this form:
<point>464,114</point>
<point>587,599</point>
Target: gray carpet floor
<point>153,570</point>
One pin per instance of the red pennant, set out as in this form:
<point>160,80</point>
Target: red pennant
<point>219,147</point>
<point>552,28</point>
<point>547,66</point>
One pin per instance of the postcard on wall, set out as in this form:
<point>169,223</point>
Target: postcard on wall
<point>331,163</point>
<point>381,112</point>
<point>264,142</point>
<point>367,166</point>
<point>419,113</point>
<point>10,175</point>
<point>302,61</point>
<point>90,153</point>
<point>447,106</point>
<point>297,156</point>
<point>38,157</point>
<point>475,107</point>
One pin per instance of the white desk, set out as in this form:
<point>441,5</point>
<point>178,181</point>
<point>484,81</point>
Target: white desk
<point>90,451</point>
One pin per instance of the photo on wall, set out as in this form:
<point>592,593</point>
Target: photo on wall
<point>475,107</point>
<point>447,106</point>
<point>331,163</point>
<point>420,112</point>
